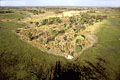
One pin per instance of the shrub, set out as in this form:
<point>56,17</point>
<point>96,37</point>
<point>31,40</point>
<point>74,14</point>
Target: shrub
<point>35,37</point>
<point>51,21</point>
<point>47,48</point>
<point>35,12</point>
<point>78,48</point>
<point>83,27</point>
<point>30,36</point>
<point>54,32</point>
<point>44,22</point>
<point>41,11</point>
<point>64,25</point>
<point>72,20</point>
<point>36,23</point>
<point>58,20</point>
<point>80,37</point>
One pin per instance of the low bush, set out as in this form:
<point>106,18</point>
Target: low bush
<point>80,37</point>
<point>30,36</point>
<point>78,48</point>
<point>36,23</point>
<point>44,22</point>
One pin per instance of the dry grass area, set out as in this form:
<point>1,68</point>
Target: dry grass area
<point>65,34</point>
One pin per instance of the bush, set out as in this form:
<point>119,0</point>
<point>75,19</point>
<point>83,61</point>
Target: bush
<point>80,37</point>
<point>64,25</point>
<point>51,20</point>
<point>44,22</point>
<point>78,48</point>
<point>54,32</point>
<point>47,48</point>
<point>30,36</point>
<point>83,27</point>
<point>72,20</point>
<point>35,37</point>
<point>36,23</point>
<point>58,20</point>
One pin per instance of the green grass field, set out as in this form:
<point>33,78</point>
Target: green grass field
<point>22,54</point>
<point>19,60</point>
<point>108,46</point>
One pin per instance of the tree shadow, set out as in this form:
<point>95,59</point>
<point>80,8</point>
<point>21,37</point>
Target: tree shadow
<point>72,71</point>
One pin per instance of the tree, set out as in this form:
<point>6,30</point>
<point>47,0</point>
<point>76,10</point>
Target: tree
<point>78,48</point>
<point>44,22</point>
<point>36,23</point>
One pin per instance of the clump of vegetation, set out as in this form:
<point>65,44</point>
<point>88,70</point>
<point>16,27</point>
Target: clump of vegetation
<point>6,11</point>
<point>58,20</point>
<point>31,37</point>
<point>54,32</point>
<point>58,11</point>
<point>47,48</point>
<point>36,23</point>
<point>51,21</point>
<point>83,27</point>
<point>44,21</point>
<point>36,12</point>
<point>64,25</point>
<point>78,48</point>
<point>80,37</point>
<point>72,20</point>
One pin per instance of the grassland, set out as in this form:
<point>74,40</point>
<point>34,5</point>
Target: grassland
<point>19,60</point>
<point>108,46</point>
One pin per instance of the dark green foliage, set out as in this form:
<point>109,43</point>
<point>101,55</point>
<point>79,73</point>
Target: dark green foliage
<point>36,23</point>
<point>51,20</point>
<point>36,12</point>
<point>79,22</point>
<point>64,25</point>
<point>44,22</point>
<point>30,36</point>
<point>72,20</point>
<point>54,32</point>
<point>6,11</point>
<point>35,37</point>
